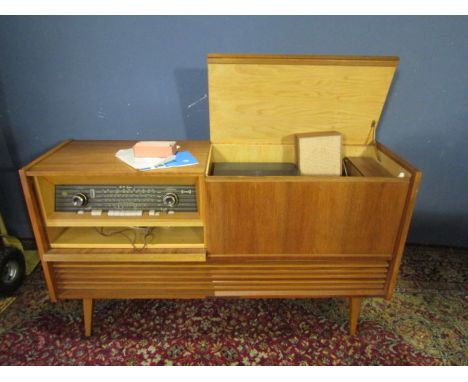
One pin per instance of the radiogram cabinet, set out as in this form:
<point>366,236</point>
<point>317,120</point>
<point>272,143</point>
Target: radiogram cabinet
<point>250,236</point>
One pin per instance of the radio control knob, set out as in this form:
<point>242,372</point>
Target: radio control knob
<point>170,199</point>
<point>79,200</point>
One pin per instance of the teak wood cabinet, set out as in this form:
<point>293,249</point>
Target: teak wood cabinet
<point>279,236</point>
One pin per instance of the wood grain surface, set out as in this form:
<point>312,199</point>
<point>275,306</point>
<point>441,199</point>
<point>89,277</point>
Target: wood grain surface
<point>247,279</point>
<point>258,103</point>
<point>98,158</point>
<point>303,217</point>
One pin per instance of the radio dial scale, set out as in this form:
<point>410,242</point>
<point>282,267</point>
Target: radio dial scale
<point>88,197</point>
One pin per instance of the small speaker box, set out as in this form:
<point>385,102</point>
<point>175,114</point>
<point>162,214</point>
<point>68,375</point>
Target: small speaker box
<point>319,153</point>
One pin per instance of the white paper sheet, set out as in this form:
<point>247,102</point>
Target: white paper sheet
<point>126,155</point>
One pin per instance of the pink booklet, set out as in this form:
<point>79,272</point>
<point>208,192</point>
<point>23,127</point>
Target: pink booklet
<point>154,149</point>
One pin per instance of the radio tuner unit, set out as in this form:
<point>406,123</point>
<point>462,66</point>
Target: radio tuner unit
<point>125,197</point>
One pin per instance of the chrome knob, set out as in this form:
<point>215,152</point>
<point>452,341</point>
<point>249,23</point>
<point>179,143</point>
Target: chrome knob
<point>170,199</point>
<point>79,200</point>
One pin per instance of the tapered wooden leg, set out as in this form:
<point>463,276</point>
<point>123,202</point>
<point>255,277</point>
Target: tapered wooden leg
<point>354,310</point>
<point>88,315</point>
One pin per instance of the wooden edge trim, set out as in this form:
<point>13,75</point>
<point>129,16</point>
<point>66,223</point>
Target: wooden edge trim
<point>125,258</point>
<point>209,160</point>
<point>292,59</point>
<point>297,152</point>
<point>318,134</point>
<point>45,155</point>
<point>38,229</point>
<point>97,172</point>
<point>300,294</point>
<point>202,208</point>
<point>397,158</point>
<point>130,295</point>
<point>306,178</point>
<point>301,257</point>
<point>126,251</point>
<point>402,234</point>
<point>86,220</point>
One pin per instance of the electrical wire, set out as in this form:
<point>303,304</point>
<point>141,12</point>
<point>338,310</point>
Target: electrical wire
<point>148,233</point>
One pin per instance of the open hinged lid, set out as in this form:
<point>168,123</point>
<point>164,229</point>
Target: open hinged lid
<point>269,98</point>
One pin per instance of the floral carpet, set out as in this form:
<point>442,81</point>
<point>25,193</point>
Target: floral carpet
<point>426,323</point>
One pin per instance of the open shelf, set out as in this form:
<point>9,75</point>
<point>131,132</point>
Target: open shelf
<point>122,237</point>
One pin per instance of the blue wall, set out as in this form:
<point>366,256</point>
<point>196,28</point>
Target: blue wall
<point>135,77</point>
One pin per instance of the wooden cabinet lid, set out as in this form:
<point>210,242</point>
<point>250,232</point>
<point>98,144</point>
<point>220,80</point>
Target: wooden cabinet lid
<point>97,158</point>
<point>269,98</point>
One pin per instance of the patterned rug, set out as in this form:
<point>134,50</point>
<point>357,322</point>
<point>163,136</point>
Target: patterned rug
<point>424,324</point>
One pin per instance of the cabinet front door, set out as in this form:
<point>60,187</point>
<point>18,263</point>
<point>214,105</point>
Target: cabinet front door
<point>259,216</point>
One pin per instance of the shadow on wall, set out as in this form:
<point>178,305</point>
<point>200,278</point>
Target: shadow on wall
<point>12,205</point>
<point>193,100</point>
<point>8,155</point>
<point>434,226</point>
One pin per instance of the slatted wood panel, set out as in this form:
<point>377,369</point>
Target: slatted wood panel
<point>247,279</point>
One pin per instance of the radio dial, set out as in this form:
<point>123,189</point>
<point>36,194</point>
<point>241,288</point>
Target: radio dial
<point>80,200</point>
<point>170,199</point>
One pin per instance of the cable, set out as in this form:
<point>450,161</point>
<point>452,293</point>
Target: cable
<point>148,233</point>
